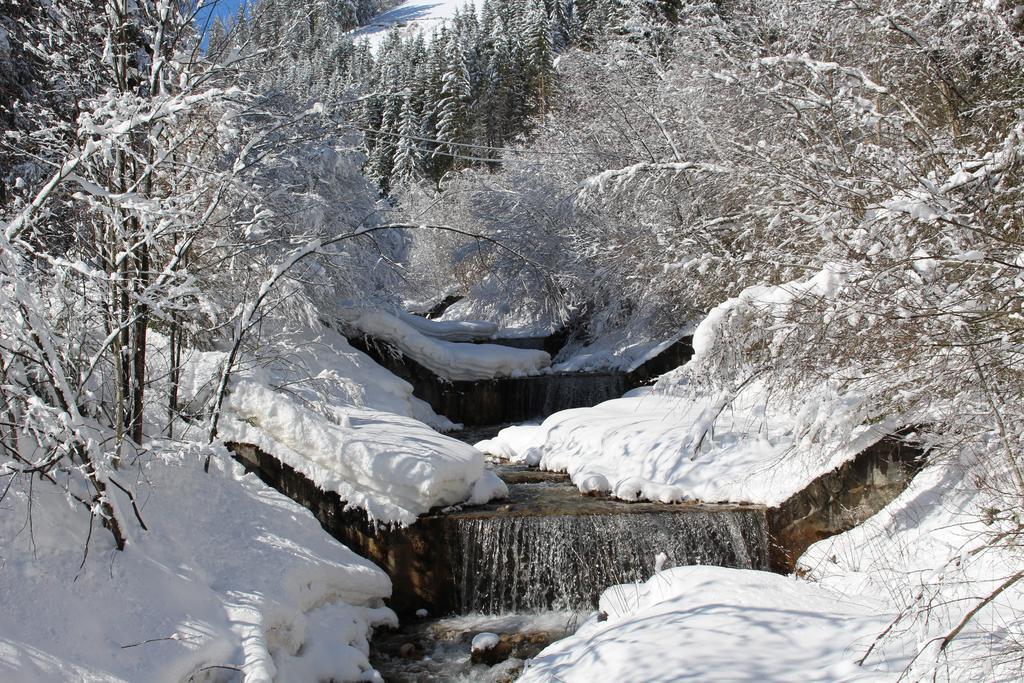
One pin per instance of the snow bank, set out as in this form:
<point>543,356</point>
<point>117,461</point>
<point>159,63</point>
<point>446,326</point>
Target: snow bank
<point>396,468</point>
<point>619,351</point>
<point>450,330</point>
<point>344,422</point>
<point>715,624</point>
<point>319,366</point>
<point>447,359</point>
<point>934,543</point>
<point>231,577</point>
<point>669,448</point>
<point>673,442</point>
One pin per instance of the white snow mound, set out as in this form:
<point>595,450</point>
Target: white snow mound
<point>670,448</point>
<point>446,359</point>
<point>396,468</point>
<point>715,624</point>
<point>450,330</point>
<point>232,580</point>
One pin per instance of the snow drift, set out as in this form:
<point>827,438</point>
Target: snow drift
<point>672,447</point>
<point>347,424</point>
<point>448,360</point>
<point>715,624</point>
<point>230,577</point>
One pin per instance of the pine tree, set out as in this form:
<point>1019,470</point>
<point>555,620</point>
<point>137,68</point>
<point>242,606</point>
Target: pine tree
<point>560,25</point>
<point>453,115</point>
<point>405,171</point>
<point>540,60</point>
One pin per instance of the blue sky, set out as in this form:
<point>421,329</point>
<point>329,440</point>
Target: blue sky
<point>221,8</point>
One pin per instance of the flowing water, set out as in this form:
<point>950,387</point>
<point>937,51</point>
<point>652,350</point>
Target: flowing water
<point>532,563</point>
<point>532,566</point>
<point>548,547</point>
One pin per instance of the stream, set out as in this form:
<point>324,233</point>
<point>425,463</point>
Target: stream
<point>526,570</point>
<point>529,569</point>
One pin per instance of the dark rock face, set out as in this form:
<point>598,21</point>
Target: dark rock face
<point>518,399</point>
<point>841,499</point>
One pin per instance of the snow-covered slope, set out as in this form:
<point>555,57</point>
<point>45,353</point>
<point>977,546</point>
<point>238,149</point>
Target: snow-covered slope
<point>715,624</point>
<point>232,580</point>
<point>670,447</point>
<point>938,551</point>
<point>393,467</point>
<point>346,423</point>
<point>414,15</point>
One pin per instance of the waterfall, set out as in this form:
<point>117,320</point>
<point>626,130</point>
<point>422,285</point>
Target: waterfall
<point>565,391</point>
<point>527,563</point>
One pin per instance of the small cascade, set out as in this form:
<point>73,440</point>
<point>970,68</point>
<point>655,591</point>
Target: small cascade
<point>527,563</point>
<point>518,399</point>
<point>541,396</point>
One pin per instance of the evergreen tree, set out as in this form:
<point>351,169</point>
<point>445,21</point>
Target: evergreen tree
<point>540,57</point>
<point>453,108</point>
<point>405,171</point>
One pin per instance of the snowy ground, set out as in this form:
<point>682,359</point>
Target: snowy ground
<point>412,16</point>
<point>347,424</point>
<point>230,577</point>
<point>934,553</point>
<point>715,624</point>
<point>671,447</point>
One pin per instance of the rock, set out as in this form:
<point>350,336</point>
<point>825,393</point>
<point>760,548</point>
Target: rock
<point>408,651</point>
<point>490,649</point>
<point>495,649</point>
<point>485,641</point>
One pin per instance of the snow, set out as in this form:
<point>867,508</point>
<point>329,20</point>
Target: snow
<point>451,330</point>
<point>317,365</point>
<point>413,16</point>
<point>345,423</point>
<point>663,447</point>
<point>395,468</point>
<point>618,350</point>
<point>933,542</point>
<point>230,576</point>
<point>716,624</point>
<point>485,641</point>
<point>449,360</point>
